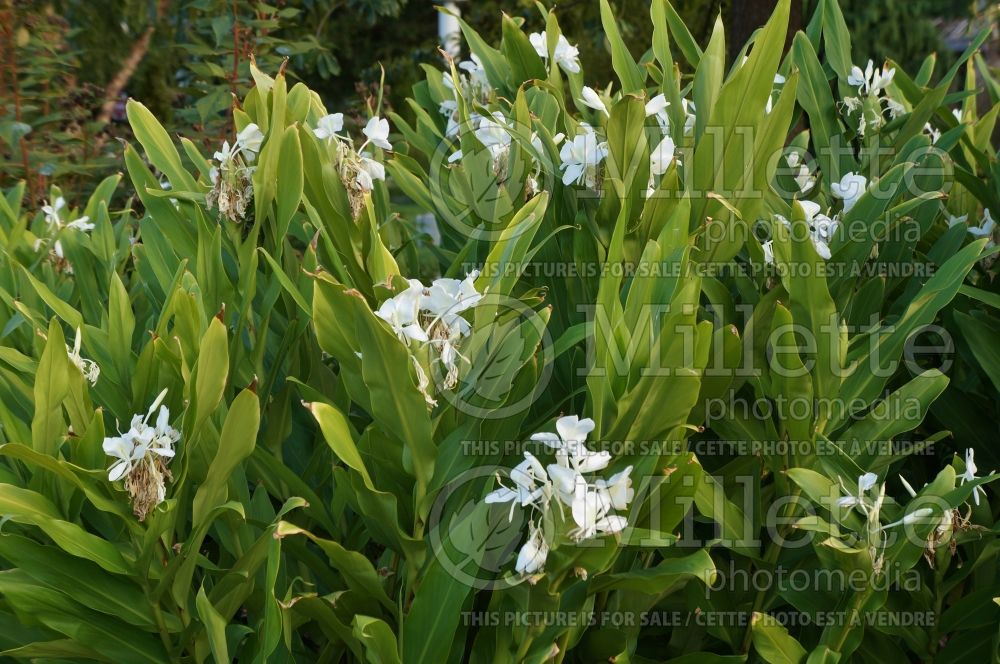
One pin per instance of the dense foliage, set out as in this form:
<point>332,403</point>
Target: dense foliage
<point>696,364</point>
<point>77,61</point>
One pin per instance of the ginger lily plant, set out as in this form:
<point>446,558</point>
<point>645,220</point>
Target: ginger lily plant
<point>544,454</point>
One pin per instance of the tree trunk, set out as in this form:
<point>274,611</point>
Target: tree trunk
<point>139,50</point>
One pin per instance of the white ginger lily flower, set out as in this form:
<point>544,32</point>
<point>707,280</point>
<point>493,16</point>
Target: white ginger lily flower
<point>945,522</point>
<point>250,141</point>
<point>656,105</point>
<point>531,486</point>
<point>662,156</point>
<point>896,109</point>
<point>53,217</point>
<point>81,224</point>
<point>88,368</point>
<point>591,99</point>
<point>492,133</point>
<point>866,482</point>
<point>52,211</point>
<point>581,157</point>
<point>226,153</point>
<point>590,512</point>
<point>329,126</point>
<point>821,230</point>
<point>804,179</point>
<point>402,312</point>
<point>377,132</point>
<point>446,298</point>
<point>531,558</point>
<point>617,490</point>
<point>571,452</point>
<point>566,55</point>
<point>474,67</point>
<point>142,455</point>
<point>986,227</point>
<point>850,188</point>
<point>970,474</point>
<point>915,516</point>
<point>369,170</point>
<point>591,503</point>
<point>768,248</point>
<point>871,81</point>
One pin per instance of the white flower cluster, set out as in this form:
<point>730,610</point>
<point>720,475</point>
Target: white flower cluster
<point>822,226</point>
<point>54,227</point>
<point>592,502</point>
<point>871,507</point>
<point>986,227</point>
<point>494,134</point>
<point>232,178</point>
<point>803,177</point>
<point>665,152</point>
<point>660,158</point>
<point>141,457</point>
<point>357,169</point>
<point>566,55</point>
<point>88,368</point>
<point>581,157</point>
<point>433,316</point>
<point>473,85</point>
<point>871,83</point>
<point>870,496</point>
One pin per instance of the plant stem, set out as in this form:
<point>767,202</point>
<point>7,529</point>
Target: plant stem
<point>770,557</point>
<point>164,634</point>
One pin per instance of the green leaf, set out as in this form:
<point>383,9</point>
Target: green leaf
<point>524,61</point>
<point>708,79</point>
<point>236,443</point>
<point>791,377</point>
<point>378,640</point>
<point>435,614</point>
<point>773,642</point>
<point>51,387</point>
<point>159,148</point>
<point>59,306</point>
<point>358,572</point>
<point>337,432</point>
<point>85,582</point>
<point>215,626</point>
<point>629,73</point>
<point>290,179</point>
<point>901,411</point>
<point>836,38</point>
<point>812,308</point>
<point>111,638</point>
<point>497,277</point>
<point>868,371</point>
<point>661,577</point>
<point>494,64</point>
<point>685,40</point>
<point>816,99</point>
<point>211,376</point>
<point>982,339</point>
<point>24,506</point>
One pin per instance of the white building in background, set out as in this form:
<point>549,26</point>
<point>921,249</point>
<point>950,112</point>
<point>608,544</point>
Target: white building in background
<point>449,31</point>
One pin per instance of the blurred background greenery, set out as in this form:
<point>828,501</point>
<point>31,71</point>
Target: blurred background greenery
<point>66,66</point>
